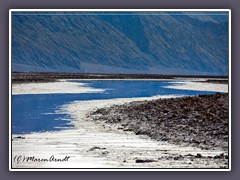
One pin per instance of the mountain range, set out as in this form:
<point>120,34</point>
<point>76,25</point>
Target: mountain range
<point>176,43</point>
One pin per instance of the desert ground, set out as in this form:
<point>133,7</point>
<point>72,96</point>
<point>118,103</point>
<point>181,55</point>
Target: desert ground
<point>131,132</point>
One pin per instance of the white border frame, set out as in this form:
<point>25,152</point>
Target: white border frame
<point>114,10</point>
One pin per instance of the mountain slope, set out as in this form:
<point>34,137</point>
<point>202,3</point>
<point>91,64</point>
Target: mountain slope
<point>162,43</point>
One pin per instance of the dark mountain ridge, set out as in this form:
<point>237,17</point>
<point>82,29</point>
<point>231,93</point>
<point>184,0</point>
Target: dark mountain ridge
<point>143,43</point>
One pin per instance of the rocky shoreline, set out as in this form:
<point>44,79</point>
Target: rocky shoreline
<point>28,77</point>
<point>198,121</point>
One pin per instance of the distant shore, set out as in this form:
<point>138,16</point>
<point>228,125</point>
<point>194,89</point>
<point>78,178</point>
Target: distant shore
<point>27,77</point>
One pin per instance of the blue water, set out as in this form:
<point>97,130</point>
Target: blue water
<point>36,112</point>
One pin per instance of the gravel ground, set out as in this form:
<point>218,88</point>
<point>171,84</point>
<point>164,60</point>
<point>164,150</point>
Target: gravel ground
<point>199,121</point>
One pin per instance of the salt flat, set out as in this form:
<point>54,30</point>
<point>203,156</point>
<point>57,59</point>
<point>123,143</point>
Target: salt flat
<point>97,145</point>
<point>199,86</point>
<point>62,87</point>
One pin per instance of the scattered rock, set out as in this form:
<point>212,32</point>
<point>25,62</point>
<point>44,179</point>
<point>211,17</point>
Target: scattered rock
<point>18,137</point>
<point>221,156</point>
<point>178,158</point>
<point>199,121</point>
<point>96,148</point>
<point>189,155</point>
<point>164,150</point>
<point>198,156</point>
<point>145,160</point>
<point>105,153</point>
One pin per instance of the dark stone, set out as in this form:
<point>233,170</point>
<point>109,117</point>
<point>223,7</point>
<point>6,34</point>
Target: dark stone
<point>198,156</point>
<point>96,148</point>
<point>145,160</point>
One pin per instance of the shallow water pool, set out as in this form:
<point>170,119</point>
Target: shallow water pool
<point>37,112</point>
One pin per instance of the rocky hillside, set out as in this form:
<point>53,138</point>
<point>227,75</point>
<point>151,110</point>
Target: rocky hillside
<point>124,42</point>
